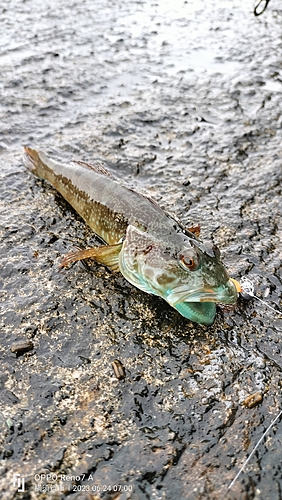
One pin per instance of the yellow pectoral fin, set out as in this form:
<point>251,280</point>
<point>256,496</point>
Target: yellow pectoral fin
<point>105,254</point>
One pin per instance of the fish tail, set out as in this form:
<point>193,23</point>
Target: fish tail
<point>32,162</point>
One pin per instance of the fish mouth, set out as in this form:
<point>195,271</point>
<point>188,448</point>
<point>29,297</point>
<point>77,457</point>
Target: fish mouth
<point>223,294</point>
<point>199,305</point>
<point>199,312</point>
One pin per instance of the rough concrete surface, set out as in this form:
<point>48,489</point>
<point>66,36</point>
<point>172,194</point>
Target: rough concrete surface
<point>182,101</point>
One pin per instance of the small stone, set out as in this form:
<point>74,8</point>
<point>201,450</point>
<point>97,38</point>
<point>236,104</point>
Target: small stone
<point>252,400</point>
<point>10,424</point>
<point>118,369</point>
<point>20,346</point>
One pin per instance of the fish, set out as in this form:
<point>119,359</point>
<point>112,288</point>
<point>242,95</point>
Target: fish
<point>150,247</point>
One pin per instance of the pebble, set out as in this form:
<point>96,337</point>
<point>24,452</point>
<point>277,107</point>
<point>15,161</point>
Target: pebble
<point>21,346</point>
<point>118,369</point>
<point>252,400</point>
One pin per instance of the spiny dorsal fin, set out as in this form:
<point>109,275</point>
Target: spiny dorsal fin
<point>97,167</point>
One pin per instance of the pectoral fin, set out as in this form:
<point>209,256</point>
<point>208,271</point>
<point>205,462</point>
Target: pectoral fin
<point>105,254</point>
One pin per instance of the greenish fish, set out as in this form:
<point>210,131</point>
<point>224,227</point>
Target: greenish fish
<point>152,250</point>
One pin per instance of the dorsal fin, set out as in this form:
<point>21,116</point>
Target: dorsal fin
<point>97,167</point>
<point>154,202</point>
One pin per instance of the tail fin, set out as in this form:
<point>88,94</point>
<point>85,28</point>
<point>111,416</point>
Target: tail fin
<point>32,162</point>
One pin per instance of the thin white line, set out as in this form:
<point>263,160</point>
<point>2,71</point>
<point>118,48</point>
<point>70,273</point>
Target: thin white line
<point>254,450</point>
<point>266,304</point>
<point>248,287</point>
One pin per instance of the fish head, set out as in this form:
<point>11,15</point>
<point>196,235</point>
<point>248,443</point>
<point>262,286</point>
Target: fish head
<point>188,274</point>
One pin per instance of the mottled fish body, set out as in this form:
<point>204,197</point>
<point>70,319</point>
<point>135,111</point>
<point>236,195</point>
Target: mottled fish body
<point>149,247</point>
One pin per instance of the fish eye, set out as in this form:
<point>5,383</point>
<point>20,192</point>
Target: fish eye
<point>188,259</point>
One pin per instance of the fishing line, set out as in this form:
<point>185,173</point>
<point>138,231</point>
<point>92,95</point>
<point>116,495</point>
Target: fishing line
<point>254,449</point>
<point>248,288</point>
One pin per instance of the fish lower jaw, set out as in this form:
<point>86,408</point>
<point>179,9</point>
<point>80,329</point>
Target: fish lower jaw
<point>198,312</point>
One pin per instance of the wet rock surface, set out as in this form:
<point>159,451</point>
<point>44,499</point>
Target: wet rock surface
<point>182,101</point>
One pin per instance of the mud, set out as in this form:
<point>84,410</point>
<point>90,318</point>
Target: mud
<point>182,101</point>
